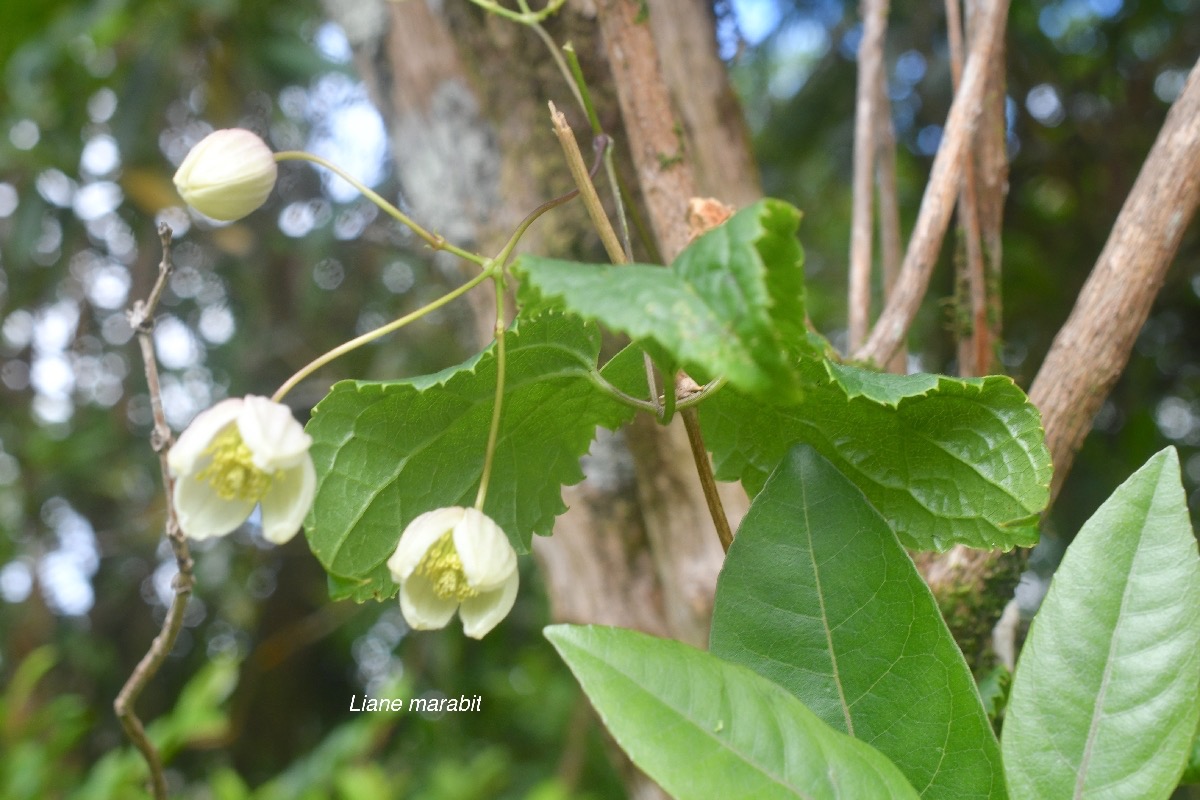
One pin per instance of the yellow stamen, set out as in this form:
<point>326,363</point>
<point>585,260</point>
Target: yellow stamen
<point>232,473</point>
<point>443,567</point>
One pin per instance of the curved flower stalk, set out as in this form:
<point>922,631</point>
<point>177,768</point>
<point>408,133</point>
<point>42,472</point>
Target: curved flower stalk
<point>229,174</point>
<point>455,559</point>
<point>238,454</point>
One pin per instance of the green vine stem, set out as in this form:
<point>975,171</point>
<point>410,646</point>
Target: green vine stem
<point>584,96</point>
<point>526,17</point>
<point>383,330</point>
<point>434,241</point>
<point>489,455</point>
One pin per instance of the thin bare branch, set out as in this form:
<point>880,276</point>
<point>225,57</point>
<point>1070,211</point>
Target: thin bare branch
<point>990,151</point>
<point>974,345</point>
<point>587,190</point>
<point>934,215</point>
<point>141,319</point>
<point>891,242</point>
<point>867,110</point>
<point>691,422</point>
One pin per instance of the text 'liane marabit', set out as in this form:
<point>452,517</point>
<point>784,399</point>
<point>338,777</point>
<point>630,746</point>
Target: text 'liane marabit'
<point>420,704</point>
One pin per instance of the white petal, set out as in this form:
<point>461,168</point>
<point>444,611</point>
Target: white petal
<point>423,610</point>
<point>287,501</point>
<point>273,435</point>
<point>418,537</point>
<point>203,513</point>
<point>487,557</point>
<point>482,613</point>
<point>192,443</point>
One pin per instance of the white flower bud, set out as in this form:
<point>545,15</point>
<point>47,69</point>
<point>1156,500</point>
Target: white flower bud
<point>227,175</point>
<point>455,559</point>
<point>238,454</point>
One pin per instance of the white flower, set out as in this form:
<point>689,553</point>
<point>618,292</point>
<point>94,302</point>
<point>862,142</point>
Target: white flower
<point>455,559</point>
<point>227,175</point>
<point>238,454</point>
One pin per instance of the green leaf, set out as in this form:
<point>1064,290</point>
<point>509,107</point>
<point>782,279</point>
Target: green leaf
<point>1191,772</point>
<point>705,728</point>
<point>945,460</point>
<point>1105,697</point>
<point>731,304</point>
<point>817,596</point>
<point>386,452</point>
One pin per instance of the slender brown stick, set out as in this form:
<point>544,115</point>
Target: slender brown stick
<point>891,244</point>
<point>934,215</point>
<point>974,345</point>
<point>870,75</point>
<point>691,421</point>
<point>141,319</point>
<point>991,179</point>
<point>587,190</point>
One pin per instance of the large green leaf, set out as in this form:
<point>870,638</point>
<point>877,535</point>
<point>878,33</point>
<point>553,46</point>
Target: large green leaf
<point>704,728</point>
<point>386,452</point>
<point>818,596</point>
<point>946,461</point>
<point>1106,694</point>
<point>731,304</point>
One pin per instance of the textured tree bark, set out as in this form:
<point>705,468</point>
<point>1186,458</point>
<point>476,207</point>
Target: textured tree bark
<point>1091,350</point>
<point>709,111</point>
<point>990,154</point>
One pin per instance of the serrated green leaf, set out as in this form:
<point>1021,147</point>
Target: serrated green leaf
<point>388,451</point>
<point>945,460</point>
<point>704,728</point>
<point>817,596</point>
<point>1106,694</point>
<point>731,304</point>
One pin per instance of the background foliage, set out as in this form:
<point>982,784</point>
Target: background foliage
<point>99,101</point>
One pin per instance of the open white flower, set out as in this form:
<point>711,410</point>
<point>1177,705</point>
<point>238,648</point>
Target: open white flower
<point>229,174</point>
<point>455,559</point>
<point>238,454</point>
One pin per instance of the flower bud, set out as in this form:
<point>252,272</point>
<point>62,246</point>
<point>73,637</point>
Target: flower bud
<point>227,175</point>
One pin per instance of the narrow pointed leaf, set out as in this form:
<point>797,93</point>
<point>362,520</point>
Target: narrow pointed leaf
<point>388,451</point>
<point>704,728</point>
<point>1106,694</point>
<point>945,460</point>
<point>818,596</point>
<point>731,304</point>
